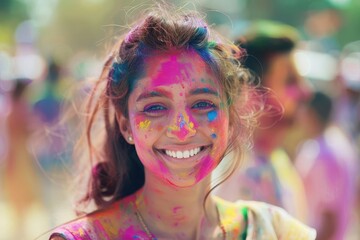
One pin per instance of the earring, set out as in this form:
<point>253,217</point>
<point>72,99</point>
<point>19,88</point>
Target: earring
<point>130,138</point>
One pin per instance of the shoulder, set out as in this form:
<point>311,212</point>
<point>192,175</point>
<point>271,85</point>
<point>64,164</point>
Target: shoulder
<point>263,221</point>
<point>268,221</point>
<point>76,229</point>
<point>108,223</point>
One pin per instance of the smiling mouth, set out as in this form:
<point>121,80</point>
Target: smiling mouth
<point>183,154</point>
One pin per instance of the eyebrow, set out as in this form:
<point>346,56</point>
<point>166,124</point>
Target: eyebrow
<point>204,91</point>
<point>158,93</point>
<point>162,93</point>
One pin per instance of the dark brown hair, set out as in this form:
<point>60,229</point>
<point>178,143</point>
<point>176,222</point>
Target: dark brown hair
<point>263,41</point>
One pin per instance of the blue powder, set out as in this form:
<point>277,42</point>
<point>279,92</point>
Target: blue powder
<point>212,116</point>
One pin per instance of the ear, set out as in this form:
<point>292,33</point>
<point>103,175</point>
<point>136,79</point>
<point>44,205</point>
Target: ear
<point>125,128</point>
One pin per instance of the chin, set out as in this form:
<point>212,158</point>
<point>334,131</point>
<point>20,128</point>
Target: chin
<point>182,183</point>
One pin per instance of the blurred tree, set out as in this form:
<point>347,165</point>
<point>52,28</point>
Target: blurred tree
<point>90,24</point>
<point>294,12</point>
<point>349,31</point>
<point>12,12</point>
<point>4,5</point>
<point>90,27</point>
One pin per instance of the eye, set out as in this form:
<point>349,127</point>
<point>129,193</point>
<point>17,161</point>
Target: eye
<point>154,109</point>
<point>203,105</point>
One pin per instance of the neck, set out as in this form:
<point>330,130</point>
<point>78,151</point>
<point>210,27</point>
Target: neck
<point>176,213</point>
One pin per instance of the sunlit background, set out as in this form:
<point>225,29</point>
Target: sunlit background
<point>57,44</point>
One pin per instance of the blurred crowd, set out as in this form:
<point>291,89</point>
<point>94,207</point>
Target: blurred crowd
<point>38,130</point>
<point>305,156</point>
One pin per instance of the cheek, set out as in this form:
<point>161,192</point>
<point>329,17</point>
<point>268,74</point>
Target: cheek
<point>218,122</point>
<point>141,127</point>
<point>142,130</point>
<point>218,127</point>
<point>208,165</point>
<point>145,131</point>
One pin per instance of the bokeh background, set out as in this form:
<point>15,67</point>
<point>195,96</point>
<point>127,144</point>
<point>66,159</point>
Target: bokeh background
<point>48,48</point>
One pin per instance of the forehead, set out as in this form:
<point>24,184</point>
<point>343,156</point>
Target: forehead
<point>177,66</point>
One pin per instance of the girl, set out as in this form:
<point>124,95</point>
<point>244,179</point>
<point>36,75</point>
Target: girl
<point>174,103</point>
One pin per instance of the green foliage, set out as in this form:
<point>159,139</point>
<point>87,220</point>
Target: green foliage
<point>350,30</point>
<point>93,24</point>
<point>12,12</point>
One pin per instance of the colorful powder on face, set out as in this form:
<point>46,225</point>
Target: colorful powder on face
<point>212,115</point>
<point>173,67</point>
<point>144,124</point>
<point>210,81</point>
<point>183,127</point>
<point>176,209</point>
<point>181,121</point>
<point>213,135</point>
<point>206,90</point>
<point>205,169</point>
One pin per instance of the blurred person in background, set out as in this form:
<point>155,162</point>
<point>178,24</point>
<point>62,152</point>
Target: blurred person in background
<point>347,106</point>
<point>269,174</point>
<point>21,178</point>
<point>327,164</point>
<point>49,142</point>
<point>322,22</point>
<point>317,55</point>
<point>3,113</point>
<point>48,104</point>
<point>47,107</point>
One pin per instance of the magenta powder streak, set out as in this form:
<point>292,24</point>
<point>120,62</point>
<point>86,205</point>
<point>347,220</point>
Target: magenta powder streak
<point>132,233</point>
<point>206,166</point>
<point>175,209</point>
<point>172,71</point>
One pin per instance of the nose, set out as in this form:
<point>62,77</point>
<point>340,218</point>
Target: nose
<point>181,127</point>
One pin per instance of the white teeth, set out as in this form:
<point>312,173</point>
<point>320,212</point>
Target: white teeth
<point>183,154</point>
<point>179,154</point>
<point>186,154</point>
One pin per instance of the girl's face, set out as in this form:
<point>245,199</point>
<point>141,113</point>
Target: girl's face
<point>178,118</point>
